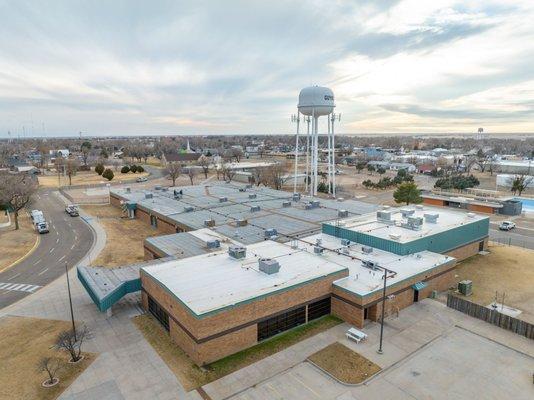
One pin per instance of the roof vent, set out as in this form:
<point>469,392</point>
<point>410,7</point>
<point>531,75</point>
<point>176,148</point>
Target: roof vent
<point>296,196</point>
<point>384,207</point>
<point>223,199</point>
<point>345,242</point>
<point>394,236</point>
<point>383,216</point>
<point>419,206</point>
<point>128,190</point>
<point>252,195</point>
<point>315,203</point>
<point>241,222</point>
<point>188,208</point>
<point>178,194</point>
<point>254,208</point>
<point>213,244</point>
<point>242,189</point>
<point>270,232</point>
<point>340,199</point>
<point>248,186</point>
<point>269,266</point>
<point>367,249</point>
<point>345,250</point>
<point>470,215</point>
<point>318,250</point>
<point>237,252</point>
<point>157,187</point>
<point>370,264</point>
<point>342,213</point>
<point>431,217</point>
<point>406,212</point>
<point>209,222</point>
<point>149,195</point>
<point>286,204</point>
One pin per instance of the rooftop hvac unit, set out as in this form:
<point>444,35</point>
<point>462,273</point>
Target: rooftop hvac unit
<point>340,199</point>
<point>345,250</point>
<point>178,194</point>
<point>465,287</point>
<point>367,249</point>
<point>318,250</point>
<point>270,232</point>
<point>128,190</point>
<point>415,221</point>
<point>241,222</point>
<point>431,217</point>
<point>345,242</point>
<point>188,208</point>
<point>470,215</point>
<point>384,207</point>
<point>157,187</point>
<point>406,212</point>
<point>370,264</point>
<point>296,196</point>
<point>252,195</point>
<point>254,208</point>
<point>213,244</point>
<point>394,236</point>
<point>209,222</point>
<point>286,204</point>
<point>148,195</point>
<point>383,215</point>
<point>223,199</point>
<point>237,252</point>
<point>342,213</point>
<point>269,266</point>
<point>315,203</point>
<point>318,241</point>
<point>419,206</point>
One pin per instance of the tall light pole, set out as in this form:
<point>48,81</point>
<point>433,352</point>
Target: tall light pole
<point>70,302</point>
<point>379,351</point>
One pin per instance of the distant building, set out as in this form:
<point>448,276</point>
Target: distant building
<point>180,158</point>
<point>60,153</point>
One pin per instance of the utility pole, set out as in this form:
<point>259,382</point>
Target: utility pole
<point>379,351</point>
<point>70,302</point>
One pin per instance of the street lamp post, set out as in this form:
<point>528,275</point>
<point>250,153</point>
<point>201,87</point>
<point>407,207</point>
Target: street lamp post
<point>379,351</point>
<point>70,301</point>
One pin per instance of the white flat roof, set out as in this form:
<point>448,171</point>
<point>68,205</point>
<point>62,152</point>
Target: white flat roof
<point>363,281</point>
<point>447,219</point>
<point>212,282</point>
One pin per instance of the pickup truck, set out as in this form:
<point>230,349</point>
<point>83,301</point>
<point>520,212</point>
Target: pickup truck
<point>72,210</point>
<point>506,225</point>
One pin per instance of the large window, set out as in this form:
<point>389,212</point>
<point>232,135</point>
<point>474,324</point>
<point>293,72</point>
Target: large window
<point>318,309</point>
<point>158,312</point>
<point>280,323</point>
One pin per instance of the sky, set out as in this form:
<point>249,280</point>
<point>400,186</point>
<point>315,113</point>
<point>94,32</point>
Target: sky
<point>236,67</point>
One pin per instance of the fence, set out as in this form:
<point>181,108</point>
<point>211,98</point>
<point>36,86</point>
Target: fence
<point>494,317</point>
<point>525,242</point>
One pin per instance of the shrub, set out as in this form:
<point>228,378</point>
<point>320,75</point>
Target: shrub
<point>125,169</point>
<point>457,182</point>
<point>140,169</point>
<point>133,168</point>
<point>99,169</point>
<point>108,174</point>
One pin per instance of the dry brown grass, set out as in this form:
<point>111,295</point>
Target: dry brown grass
<point>344,364</point>
<point>14,244</point>
<point>507,269</point>
<point>124,244</point>
<point>191,376</point>
<point>23,342</point>
<point>87,178</point>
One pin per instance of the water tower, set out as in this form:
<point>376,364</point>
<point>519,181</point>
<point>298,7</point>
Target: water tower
<point>316,102</point>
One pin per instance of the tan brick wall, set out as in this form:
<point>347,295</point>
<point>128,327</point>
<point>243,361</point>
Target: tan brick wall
<point>481,209</point>
<point>461,253</point>
<point>347,312</point>
<point>115,201</point>
<point>149,254</point>
<point>433,202</point>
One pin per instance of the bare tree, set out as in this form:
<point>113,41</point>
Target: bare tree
<point>204,162</point>
<point>85,148</point>
<point>173,169</point>
<point>236,153</point>
<point>71,167</point>
<point>6,151</point>
<point>72,342</point>
<point>15,192</point>
<point>227,172</point>
<point>259,175</point>
<point>51,366</point>
<point>191,173</point>
<point>519,183</point>
<point>275,176</point>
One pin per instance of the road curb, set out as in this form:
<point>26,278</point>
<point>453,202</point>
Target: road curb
<point>25,256</point>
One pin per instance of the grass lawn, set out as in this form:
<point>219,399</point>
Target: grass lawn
<point>507,269</point>
<point>124,244</point>
<point>191,376</point>
<point>23,341</point>
<point>87,178</point>
<point>14,244</point>
<point>344,364</point>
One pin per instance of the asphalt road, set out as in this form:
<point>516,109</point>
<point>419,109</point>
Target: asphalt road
<point>516,237</point>
<point>68,241</point>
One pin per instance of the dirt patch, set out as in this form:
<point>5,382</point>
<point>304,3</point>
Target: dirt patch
<point>508,270</point>
<point>14,244</point>
<point>344,364</point>
<point>24,341</point>
<point>87,178</point>
<point>191,376</point>
<point>124,242</point>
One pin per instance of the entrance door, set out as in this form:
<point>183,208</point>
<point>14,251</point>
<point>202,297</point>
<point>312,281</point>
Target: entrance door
<point>481,246</point>
<point>415,296</point>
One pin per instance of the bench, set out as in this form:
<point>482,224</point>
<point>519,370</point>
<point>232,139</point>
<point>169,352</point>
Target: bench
<point>356,335</point>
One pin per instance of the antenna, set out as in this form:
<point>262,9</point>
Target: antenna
<point>296,118</point>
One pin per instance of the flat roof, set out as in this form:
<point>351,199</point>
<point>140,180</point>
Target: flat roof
<point>463,200</point>
<point>213,282</point>
<point>370,224</point>
<point>363,281</point>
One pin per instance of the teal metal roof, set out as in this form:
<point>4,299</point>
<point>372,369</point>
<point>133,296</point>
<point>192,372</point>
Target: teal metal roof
<point>419,286</point>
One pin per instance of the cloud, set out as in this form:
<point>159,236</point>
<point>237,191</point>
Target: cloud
<point>199,67</point>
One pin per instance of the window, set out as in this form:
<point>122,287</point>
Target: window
<point>154,221</point>
<point>158,312</point>
<point>281,323</point>
<point>318,309</point>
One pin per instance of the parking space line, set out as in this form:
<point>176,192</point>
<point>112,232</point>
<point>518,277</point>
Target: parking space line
<point>14,276</point>
<point>43,271</point>
<point>51,250</point>
<point>61,258</point>
<point>36,262</point>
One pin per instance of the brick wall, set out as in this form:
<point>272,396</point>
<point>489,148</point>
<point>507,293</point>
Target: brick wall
<point>433,202</point>
<point>461,253</point>
<point>481,209</point>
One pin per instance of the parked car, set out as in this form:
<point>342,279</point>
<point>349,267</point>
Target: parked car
<point>506,226</point>
<point>141,179</point>
<point>72,210</point>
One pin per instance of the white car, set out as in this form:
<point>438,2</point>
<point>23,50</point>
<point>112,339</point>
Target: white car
<point>141,179</point>
<point>506,225</point>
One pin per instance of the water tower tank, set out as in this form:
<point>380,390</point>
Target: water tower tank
<point>316,100</point>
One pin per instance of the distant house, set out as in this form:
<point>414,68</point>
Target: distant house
<point>180,158</point>
<point>426,168</point>
<point>60,153</point>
